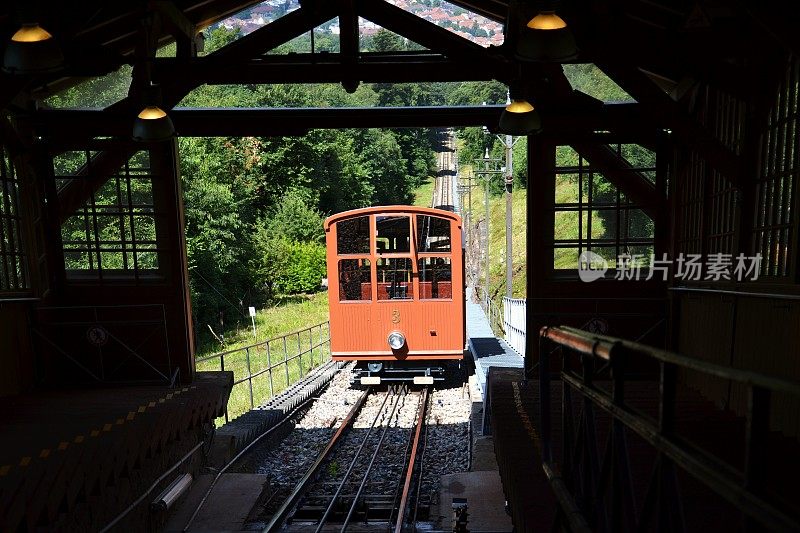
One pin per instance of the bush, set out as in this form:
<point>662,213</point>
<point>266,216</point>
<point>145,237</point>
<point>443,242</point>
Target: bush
<point>303,269</point>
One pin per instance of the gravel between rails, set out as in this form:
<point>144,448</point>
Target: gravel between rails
<point>286,460</point>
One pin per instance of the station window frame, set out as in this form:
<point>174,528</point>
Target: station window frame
<point>587,208</point>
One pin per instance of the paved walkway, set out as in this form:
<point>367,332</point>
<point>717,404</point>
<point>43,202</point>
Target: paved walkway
<point>486,349</point>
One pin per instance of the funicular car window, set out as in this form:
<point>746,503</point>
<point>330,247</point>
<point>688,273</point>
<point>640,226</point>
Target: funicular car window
<point>393,234</point>
<point>355,282</point>
<point>433,234</point>
<point>394,278</point>
<point>435,278</point>
<point>352,236</point>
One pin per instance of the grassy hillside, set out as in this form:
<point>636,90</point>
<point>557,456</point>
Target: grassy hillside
<point>290,314</point>
<point>497,237</point>
<point>566,227</point>
<point>424,193</point>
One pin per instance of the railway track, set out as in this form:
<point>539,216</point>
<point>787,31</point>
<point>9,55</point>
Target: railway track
<point>357,482</point>
<point>443,189</point>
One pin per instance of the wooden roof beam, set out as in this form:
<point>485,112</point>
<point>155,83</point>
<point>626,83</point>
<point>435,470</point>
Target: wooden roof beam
<point>623,176</point>
<point>183,29</point>
<point>175,19</point>
<point>91,177</point>
<point>667,113</point>
<point>349,44</point>
<point>561,121</point>
<point>330,68</point>
<point>420,30</point>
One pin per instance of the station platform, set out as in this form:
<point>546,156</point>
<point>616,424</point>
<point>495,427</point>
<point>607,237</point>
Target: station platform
<point>487,350</point>
<point>73,460</point>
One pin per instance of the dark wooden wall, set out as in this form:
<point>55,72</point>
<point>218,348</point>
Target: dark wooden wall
<point>144,315</point>
<point>752,212</point>
<point>632,309</point>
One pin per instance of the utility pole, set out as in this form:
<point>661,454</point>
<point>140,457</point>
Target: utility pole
<point>486,246</point>
<point>509,182</point>
<point>487,168</point>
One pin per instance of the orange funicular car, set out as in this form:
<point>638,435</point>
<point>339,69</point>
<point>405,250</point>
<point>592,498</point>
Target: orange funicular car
<point>396,291</point>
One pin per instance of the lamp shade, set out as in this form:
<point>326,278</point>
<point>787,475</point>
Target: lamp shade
<point>32,50</point>
<point>153,124</point>
<point>520,118</point>
<point>547,20</point>
<point>547,45</point>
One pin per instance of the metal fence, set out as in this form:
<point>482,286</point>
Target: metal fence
<point>493,313</point>
<point>265,368</point>
<point>514,313</point>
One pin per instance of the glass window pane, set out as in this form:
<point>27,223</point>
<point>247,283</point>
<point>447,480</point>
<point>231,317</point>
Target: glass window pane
<point>609,253</point>
<point>352,236</point>
<point>433,234</point>
<point>567,190</point>
<point>640,226</point>
<point>638,156</point>
<point>435,278</point>
<point>394,234</point>
<point>355,282</point>
<point>566,226</point>
<point>565,258</point>
<point>603,192</point>
<point>566,156</point>
<point>394,279</point>
<point>604,224</point>
<point>643,254</point>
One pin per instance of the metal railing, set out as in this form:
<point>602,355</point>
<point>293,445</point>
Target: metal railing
<point>494,314</point>
<point>514,313</point>
<point>277,362</point>
<point>578,479</point>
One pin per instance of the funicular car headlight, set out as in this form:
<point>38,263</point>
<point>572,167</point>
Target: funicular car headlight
<point>396,340</point>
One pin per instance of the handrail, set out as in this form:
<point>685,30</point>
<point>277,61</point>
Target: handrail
<point>259,343</point>
<point>603,346</point>
<point>746,294</point>
<point>302,342</point>
<point>744,489</point>
<point>515,311</point>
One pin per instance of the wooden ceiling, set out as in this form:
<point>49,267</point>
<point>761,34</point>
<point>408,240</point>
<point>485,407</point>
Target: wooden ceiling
<point>732,44</point>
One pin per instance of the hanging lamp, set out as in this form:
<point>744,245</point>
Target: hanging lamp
<point>32,50</point>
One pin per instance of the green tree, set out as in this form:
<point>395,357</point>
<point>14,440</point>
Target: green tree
<point>293,218</point>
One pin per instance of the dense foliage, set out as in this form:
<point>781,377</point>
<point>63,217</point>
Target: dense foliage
<point>254,206</point>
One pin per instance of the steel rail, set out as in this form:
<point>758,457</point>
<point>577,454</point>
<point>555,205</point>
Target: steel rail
<point>338,492</point>
<point>371,463</point>
<point>411,462</point>
<point>419,476</point>
<point>396,494</point>
<point>280,515</point>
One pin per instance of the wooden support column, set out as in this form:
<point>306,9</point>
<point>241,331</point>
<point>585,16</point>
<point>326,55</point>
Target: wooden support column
<point>541,163</point>
<point>349,44</point>
<point>171,234</point>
